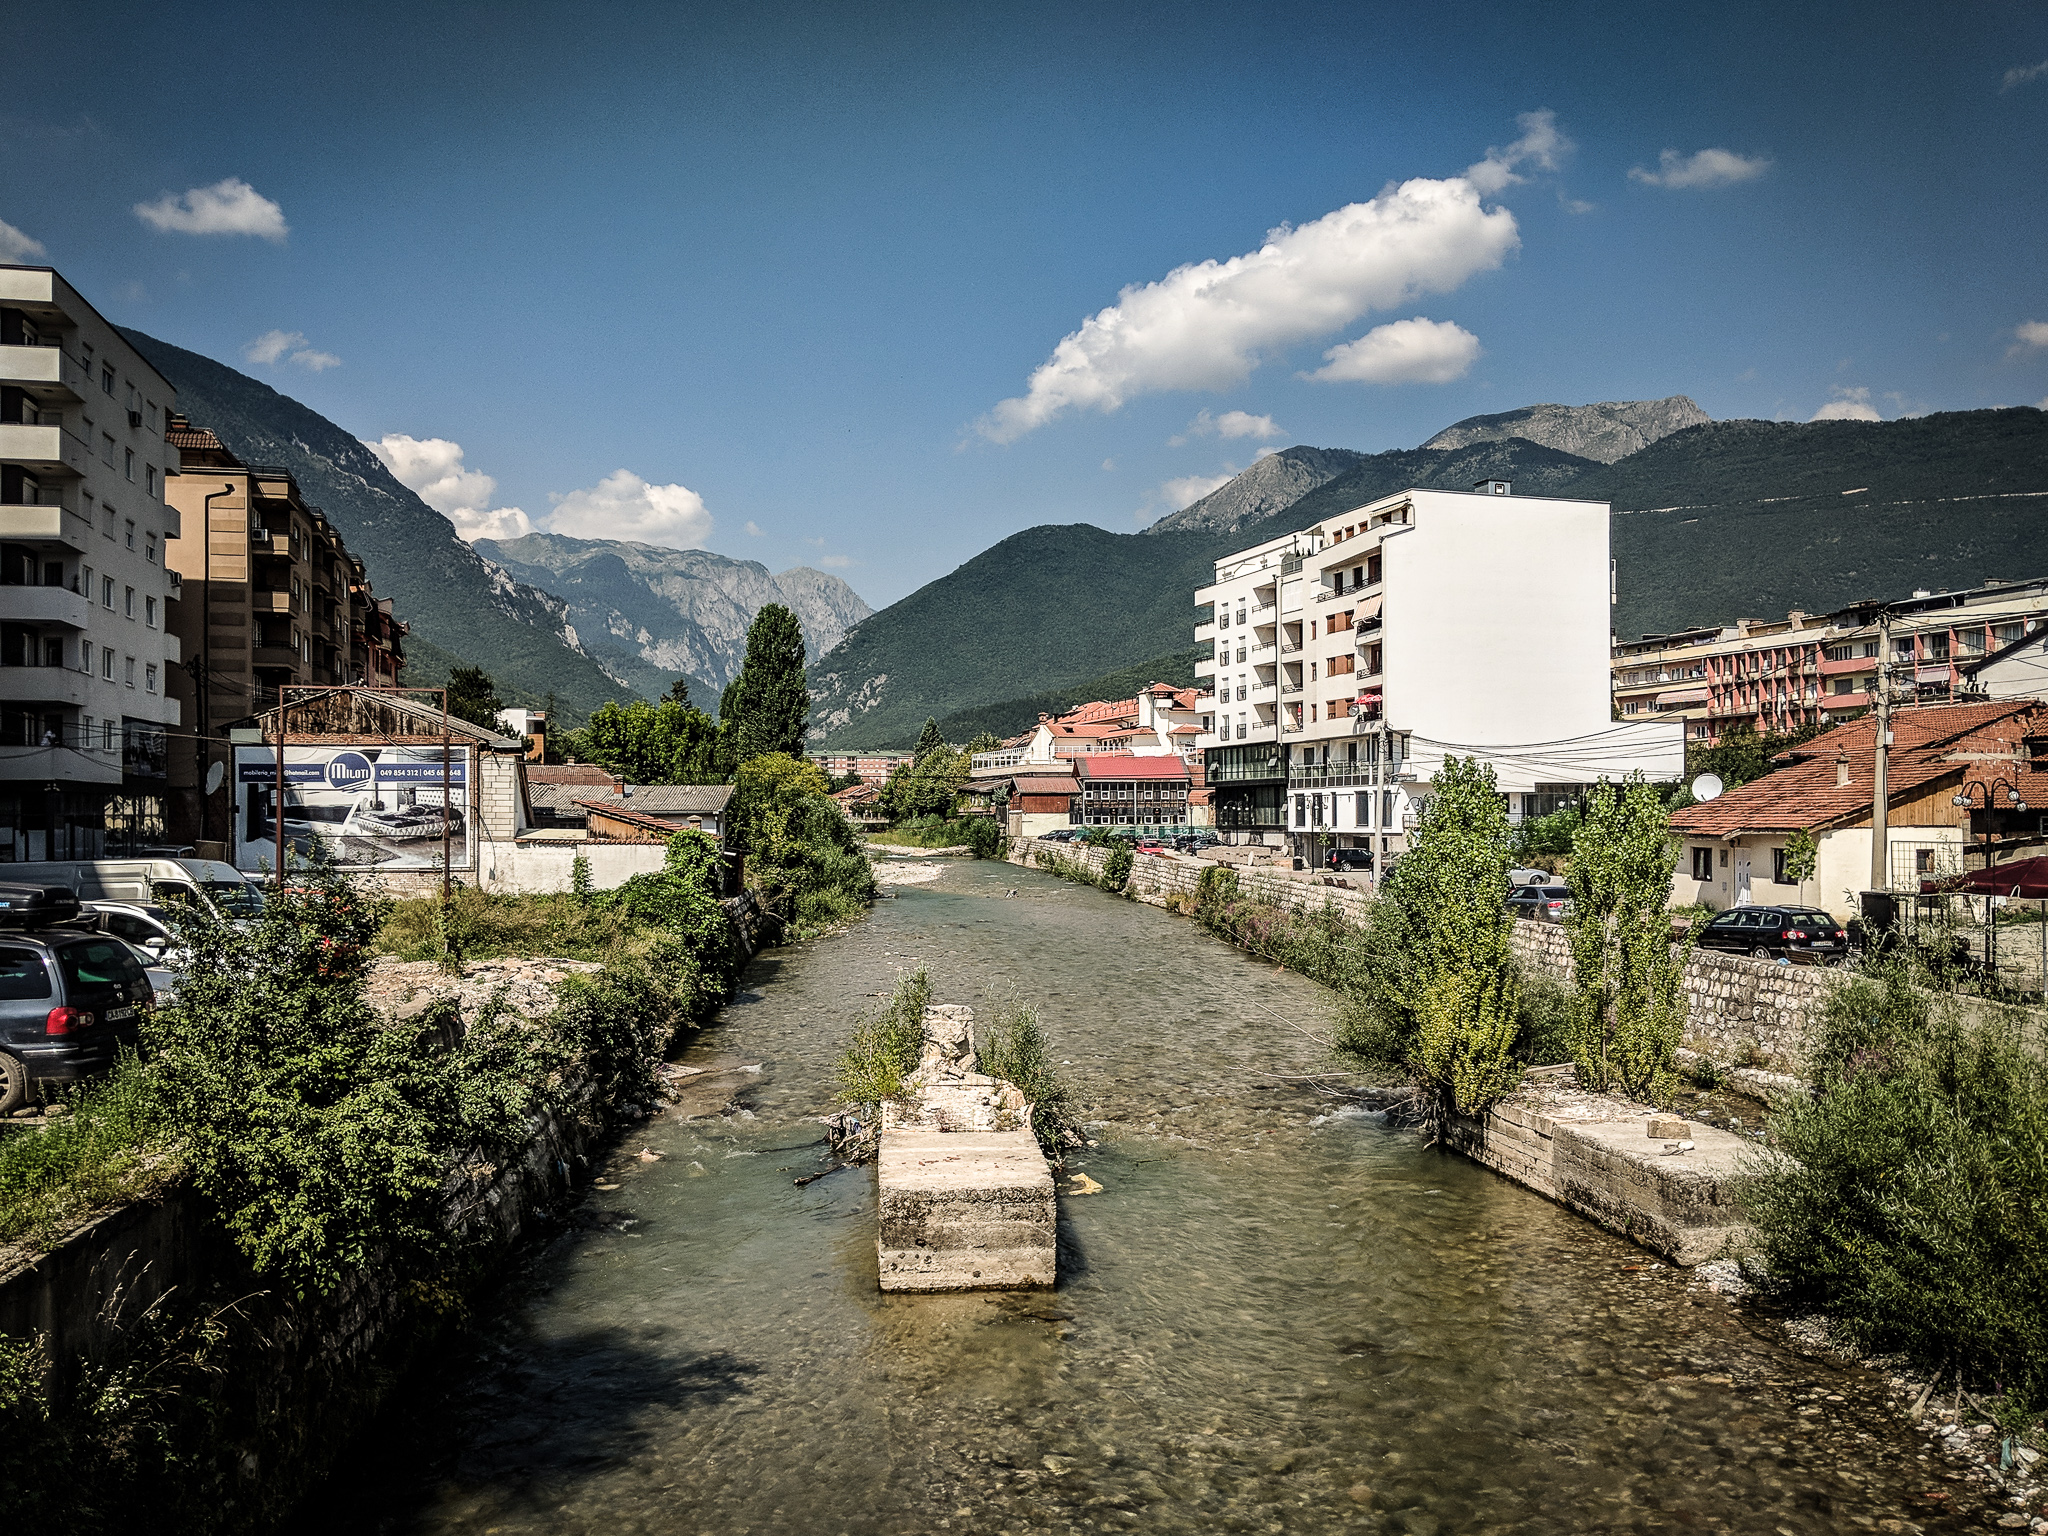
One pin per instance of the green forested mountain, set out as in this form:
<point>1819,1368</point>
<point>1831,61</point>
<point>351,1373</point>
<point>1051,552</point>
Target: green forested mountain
<point>1712,522</point>
<point>456,603</point>
<point>1012,716</point>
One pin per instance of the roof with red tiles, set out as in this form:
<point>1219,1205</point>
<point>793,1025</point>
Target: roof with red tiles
<point>569,773</point>
<point>1100,711</point>
<point>1132,768</point>
<point>1048,784</point>
<point>1813,791</point>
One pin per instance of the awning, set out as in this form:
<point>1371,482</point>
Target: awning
<point>1369,699</point>
<point>2027,878</point>
<point>1931,675</point>
<point>1368,609</point>
<point>1671,697</point>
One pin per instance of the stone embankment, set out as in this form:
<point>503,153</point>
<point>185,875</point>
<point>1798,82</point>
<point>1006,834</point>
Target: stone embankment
<point>966,1196</point>
<point>1753,1013</point>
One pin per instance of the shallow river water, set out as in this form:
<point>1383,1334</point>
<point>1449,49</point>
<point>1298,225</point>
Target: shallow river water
<point>1272,1317</point>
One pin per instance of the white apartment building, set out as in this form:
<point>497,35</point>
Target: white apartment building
<point>1355,655</point>
<point>85,639</point>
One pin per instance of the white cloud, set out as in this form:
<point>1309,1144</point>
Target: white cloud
<point>433,468</point>
<point>2042,404</point>
<point>1181,491</point>
<point>1848,405</point>
<point>2025,74</point>
<point>1540,145</point>
<point>1229,424</point>
<point>1414,351</point>
<point>623,506</point>
<point>290,347</point>
<point>1208,324</point>
<point>754,530</point>
<point>2031,333</point>
<point>16,246</point>
<point>1708,168</point>
<point>230,207</point>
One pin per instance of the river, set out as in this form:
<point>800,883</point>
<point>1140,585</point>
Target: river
<point>1277,1315</point>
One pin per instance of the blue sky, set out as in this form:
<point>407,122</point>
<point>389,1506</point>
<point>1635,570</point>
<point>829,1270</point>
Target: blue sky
<point>760,278</point>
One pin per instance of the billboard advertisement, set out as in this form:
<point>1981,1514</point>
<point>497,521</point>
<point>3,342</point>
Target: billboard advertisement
<point>361,808</point>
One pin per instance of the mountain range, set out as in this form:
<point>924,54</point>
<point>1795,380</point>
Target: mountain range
<point>1713,521</point>
<point>578,620</point>
<point>647,613</point>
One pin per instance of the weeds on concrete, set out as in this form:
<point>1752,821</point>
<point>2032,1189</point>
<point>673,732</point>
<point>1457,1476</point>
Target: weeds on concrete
<point>885,1047</point>
<point>1013,1047</point>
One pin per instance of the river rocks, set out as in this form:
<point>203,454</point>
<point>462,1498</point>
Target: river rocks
<point>966,1196</point>
<point>404,989</point>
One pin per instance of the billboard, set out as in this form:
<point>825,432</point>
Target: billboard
<point>362,808</point>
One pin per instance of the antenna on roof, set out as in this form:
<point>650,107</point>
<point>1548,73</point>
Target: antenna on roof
<point>1707,786</point>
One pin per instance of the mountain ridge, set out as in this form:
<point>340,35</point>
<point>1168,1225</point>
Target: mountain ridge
<point>1602,432</point>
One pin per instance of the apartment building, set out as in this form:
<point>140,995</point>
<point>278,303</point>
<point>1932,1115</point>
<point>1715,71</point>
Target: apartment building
<point>1812,669</point>
<point>1353,656</point>
<point>271,598</point>
<point>87,652</point>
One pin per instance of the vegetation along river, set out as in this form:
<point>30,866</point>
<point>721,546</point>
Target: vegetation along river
<point>1273,1316</point>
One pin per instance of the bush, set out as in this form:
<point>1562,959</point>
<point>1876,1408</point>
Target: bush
<point>1013,1047</point>
<point>1911,1197</point>
<point>1543,1034</point>
<point>801,849</point>
<point>1116,868</point>
<point>885,1047</point>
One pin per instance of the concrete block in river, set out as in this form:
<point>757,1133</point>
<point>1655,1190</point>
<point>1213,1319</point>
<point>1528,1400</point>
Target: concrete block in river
<point>965,1211</point>
<point>966,1195</point>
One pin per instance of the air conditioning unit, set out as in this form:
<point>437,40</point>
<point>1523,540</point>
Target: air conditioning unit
<point>259,535</point>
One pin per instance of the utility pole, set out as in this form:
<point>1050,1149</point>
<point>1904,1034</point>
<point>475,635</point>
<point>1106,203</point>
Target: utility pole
<point>1880,802</point>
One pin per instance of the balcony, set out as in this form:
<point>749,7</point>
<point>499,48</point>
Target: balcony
<point>1204,632</point>
<point>282,656</point>
<point>65,765</point>
<point>43,685</point>
<point>47,369</point>
<point>43,450</point>
<point>44,605</point>
<point>261,601</point>
<point>43,522</point>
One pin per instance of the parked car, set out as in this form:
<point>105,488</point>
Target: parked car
<point>1531,877</point>
<point>1061,835</point>
<point>1766,933</point>
<point>1544,903</point>
<point>1350,858</point>
<point>147,931</point>
<point>70,998</point>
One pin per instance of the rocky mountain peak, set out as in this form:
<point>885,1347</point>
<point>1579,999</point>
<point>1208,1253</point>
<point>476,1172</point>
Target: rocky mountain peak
<point>1275,481</point>
<point>1610,430</point>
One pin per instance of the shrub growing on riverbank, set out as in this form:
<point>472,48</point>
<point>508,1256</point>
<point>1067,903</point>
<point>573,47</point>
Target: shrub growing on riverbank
<point>981,833</point>
<point>801,850</point>
<point>1911,1200</point>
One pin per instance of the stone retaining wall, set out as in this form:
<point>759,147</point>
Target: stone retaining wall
<point>1739,1011</point>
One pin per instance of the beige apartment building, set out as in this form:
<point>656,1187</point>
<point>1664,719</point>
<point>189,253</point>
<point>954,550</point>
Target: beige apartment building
<point>87,579</point>
<point>1810,669</point>
<point>271,599</point>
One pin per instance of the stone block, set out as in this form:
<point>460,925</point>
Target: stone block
<point>965,1211</point>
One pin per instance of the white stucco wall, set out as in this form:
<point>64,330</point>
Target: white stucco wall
<point>530,869</point>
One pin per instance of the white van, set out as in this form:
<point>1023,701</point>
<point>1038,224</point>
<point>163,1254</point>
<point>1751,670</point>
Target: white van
<point>220,889</point>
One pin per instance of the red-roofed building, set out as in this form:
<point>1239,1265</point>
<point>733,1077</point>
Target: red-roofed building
<point>1133,791</point>
<point>1734,845</point>
<point>1159,721</point>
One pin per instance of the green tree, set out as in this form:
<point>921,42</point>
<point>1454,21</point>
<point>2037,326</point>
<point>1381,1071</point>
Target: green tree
<point>984,741</point>
<point>1630,1008</point>
<point>679,692</point>
<point>472,696</point>
<point>1802,856</point>
<point>1439,989</point>
<point>799,847</point>
<point>1742,756</point>
<point>642,743</point>
<point>767,705</point>
<point>929,786</point>
<point>928,741</point>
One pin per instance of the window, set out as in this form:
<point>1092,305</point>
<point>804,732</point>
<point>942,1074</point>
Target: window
<point>1846,685</point>
<point>149,678</point>
<point>106,381</point>
<point>85,581</point>
<point>149,546</point>
<point>107,593</point>
<point>23,975</point>
<point>1703,864</point>
<point>1301,810</point>
<point>129,601</point>
<point>108,725</point>
<point>107,447</point>
<point>1778,867</point>
<point>131,533</point>
<point>129,669</point>
<point>149,477</point>
<point>85,655</point>
<point>1365,808</point>
<point>149,612</point>
<point>107,668</point>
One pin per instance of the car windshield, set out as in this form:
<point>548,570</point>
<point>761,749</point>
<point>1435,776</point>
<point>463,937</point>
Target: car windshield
<point>99,963</point>
<point>236,898</point>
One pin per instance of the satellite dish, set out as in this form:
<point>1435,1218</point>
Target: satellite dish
<point>1707,786</point>
<point>214,775</point>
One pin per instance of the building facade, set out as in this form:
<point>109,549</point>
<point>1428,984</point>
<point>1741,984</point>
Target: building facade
<point>1778,675</point>
<point>87,580</point>
<point>1119,791</point>
<point>1353,656</point>
<point>270,598</point>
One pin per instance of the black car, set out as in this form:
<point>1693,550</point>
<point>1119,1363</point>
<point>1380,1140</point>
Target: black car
<point>1060,835</point>
<point>70,999</point>
<point>1765,933</point>
<point>1350,858</point>
<point>1544,903</point>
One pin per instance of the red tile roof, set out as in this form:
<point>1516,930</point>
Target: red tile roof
<point>1806,794</point>
<point>1100,711</point>
<point>1049,784</point>
<point>1132,768</point>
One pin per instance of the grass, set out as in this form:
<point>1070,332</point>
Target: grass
<point>112,1146</point>
<point>885,1047</point>
<point>490,927</point>
<point>938,832</point>
<point>1013,1047</point>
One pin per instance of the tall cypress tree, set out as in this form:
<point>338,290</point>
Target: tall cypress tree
<point>927,739</point>
<point>767,704</point>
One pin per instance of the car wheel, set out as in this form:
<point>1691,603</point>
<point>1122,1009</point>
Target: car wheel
<point>13,1084</point>
<point>1759,953</point>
